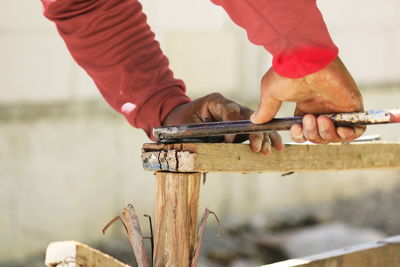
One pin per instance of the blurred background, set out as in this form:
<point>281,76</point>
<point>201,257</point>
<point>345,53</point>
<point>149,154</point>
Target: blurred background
<point>68,163</point>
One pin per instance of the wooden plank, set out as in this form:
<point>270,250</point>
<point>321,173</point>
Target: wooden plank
<point>384,253</point>
<point>221,157</point>
<point>176,218</point>
<point>75,254</point>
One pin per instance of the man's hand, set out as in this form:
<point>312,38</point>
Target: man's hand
<point>215,107</point>
<point>331,90</point>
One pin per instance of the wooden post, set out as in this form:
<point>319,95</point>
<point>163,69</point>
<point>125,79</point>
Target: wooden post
<point>176,218</point>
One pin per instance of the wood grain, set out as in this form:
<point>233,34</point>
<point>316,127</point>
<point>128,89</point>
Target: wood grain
<point>378,254</point>
<point>221,157</point>
<point>132,225</point>
<point>75,254</point>
<point>176,218</point>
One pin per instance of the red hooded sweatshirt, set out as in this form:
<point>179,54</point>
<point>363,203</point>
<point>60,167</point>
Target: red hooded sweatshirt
<point>112,41</point>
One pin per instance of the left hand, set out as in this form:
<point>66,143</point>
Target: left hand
<point>215,107</point>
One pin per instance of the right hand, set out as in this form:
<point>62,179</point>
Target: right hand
<point>330,90</point>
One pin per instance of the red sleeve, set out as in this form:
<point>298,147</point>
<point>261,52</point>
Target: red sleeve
<point>111,40</point>
<point>293,31</point>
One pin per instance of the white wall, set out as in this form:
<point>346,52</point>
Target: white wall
<point>368,35</point>
<point>205,48</point>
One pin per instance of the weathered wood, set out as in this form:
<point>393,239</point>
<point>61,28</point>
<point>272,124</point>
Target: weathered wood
<point>132,225</point>
<point>221,157</point>
<point>176,218</point>
<point>385,253</point>
<point>75,254</point>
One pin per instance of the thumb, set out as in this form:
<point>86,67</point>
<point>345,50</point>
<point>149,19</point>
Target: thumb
<point>267,110</point>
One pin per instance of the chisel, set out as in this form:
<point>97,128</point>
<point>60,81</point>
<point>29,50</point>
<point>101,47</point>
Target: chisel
<point>215,131</point>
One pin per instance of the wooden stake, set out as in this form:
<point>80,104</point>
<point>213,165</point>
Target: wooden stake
<point>176,218</point>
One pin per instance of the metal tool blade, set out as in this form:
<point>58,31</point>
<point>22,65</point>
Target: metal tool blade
<point>203,131</point>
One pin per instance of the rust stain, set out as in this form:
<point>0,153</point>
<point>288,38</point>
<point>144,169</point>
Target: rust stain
<point>179,147</point>
<point>372,116</point>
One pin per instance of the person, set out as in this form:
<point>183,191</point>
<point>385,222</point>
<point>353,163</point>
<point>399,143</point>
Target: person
<point>112,41</point>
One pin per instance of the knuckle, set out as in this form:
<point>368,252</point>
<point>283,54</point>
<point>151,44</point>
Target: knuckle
<point>312,136</point>
<point>354,105</point>
<point>255,136</point>
<point>214,95</point>
<point>298,139</point>
<point>233,107</point>
<point>309,133</point>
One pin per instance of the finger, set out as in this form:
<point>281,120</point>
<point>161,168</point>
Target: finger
<point>267,109</point>
<point>296,133</point>
<point>359,130</point>
<point>230,112</point>
<point>310,129</point>
<point>276,140</point>
<point>299,112</point>
<point>256,141</point>
<point>245,113</point>
<point>266,144</point>
<point>229,138</point>
<point>327,129</point>
<point>349,134</point>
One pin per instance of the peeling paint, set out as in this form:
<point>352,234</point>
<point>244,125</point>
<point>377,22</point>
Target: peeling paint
<point>172,160</point>
<point>372,116</point>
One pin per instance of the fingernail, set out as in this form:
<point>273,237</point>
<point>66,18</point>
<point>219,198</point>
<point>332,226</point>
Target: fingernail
<point>256,145</point>
<point>299,137</point>
<point>322,128</point>
<point>307,121</point>
<point>358,131</point>
<point>266,149</point>
<point>229,138</point>
<point>252,117</point>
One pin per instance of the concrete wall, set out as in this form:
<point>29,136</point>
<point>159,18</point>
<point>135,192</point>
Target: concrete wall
<point>68,163</point>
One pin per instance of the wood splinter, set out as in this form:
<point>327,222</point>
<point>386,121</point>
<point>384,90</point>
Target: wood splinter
<point>131,223</point>
<point>200,235</point>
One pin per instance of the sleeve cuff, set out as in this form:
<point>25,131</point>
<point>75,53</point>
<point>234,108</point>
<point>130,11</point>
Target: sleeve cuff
<point>305,49</point>
<point>153,112</point>
<point>299,63</point>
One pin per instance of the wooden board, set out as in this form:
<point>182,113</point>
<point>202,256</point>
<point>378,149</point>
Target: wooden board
<point>75,254</point>
<point>221,157</point>
<point>385,253</point>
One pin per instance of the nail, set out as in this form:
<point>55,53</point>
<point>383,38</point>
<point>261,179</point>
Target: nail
<point>257,145</point>
<point>267,149</point>
<point>307,121</point>
<point>252,116</point>
<point>358,131</point>
<point>229,138</point>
